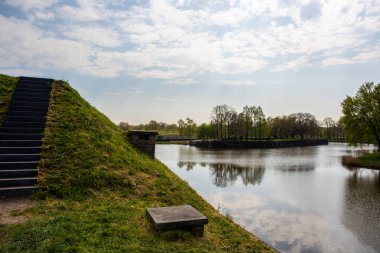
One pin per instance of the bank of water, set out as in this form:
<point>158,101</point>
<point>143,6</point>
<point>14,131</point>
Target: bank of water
<point>295,199</point>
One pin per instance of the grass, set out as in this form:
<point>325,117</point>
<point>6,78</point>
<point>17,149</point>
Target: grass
<point>95,188</point>
<point>367,160</point>
<point>7,86</point>
<point>372,159</point>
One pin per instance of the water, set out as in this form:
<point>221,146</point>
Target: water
<point>295,199</point>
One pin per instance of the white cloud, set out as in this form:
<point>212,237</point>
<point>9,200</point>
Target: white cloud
<point>182,81</point>
<point>101,36</point>
<point>20,72</point>
<point>27,5</point>
<point>238,82</point>
<point>292,65</point>
<point>166,99</point>
<point>174,40</point>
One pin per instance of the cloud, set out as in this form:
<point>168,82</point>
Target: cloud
<point>87,10</point>
<point>27,5</point>
<point>20,72</point>
<point>166,99</point>
<point>101,36</point>
<point>176,40</point>
<point>238,82</point>
<point>182,81</point>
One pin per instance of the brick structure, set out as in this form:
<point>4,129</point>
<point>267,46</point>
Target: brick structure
<point>145,141</point>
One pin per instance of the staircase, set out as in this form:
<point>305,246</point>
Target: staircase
<point>20,136</point>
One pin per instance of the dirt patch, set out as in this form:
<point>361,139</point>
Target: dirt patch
<point>10,210</point>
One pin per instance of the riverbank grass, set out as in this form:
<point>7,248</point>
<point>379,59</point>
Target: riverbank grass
<point>367,160</point>
<point>372,159</point>
<point>94,188</point>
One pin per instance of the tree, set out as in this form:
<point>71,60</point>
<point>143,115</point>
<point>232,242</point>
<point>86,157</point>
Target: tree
<point>190,126</point>
<point>247,115</point>
<point>219,117</point>
<point>181,127</point>
<point>361,115</point>
<point>124,125</point>
<point>330,124</point>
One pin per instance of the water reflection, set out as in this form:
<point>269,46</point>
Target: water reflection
<point>304,200</point>
<point>296,167</point>
<point>225,174</point>
<point>362,206</point>
<point>186,165</point>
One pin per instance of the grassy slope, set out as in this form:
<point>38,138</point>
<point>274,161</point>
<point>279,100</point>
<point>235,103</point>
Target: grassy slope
<point>95,188</point>
<point>7,86</point>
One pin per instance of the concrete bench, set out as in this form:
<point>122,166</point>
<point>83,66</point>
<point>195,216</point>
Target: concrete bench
<point>177,217</point>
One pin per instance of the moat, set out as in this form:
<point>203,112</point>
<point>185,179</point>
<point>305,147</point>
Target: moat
<point>295,199</point>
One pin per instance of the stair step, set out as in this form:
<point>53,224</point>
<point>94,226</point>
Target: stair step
<point>22,130</point>
<point>14,182</point>
<point>19,165</point>
<point>18,173</point>
<point>35,79</point>
<point>32,89</point>
<point>23,124</point>
<point>23,98</point>
<point>31,93</point>
<point>33,83</point>
<point>19,157</point>
<point>24,118</point>
<point>13,113</point>
<point>22,137</point>
<point>11,192</point>
<point>28,103</point>
<point>20,150</point>
<point>20,143</point>
<point>27,108</point>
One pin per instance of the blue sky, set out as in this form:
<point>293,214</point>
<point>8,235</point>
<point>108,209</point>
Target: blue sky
<point>170,59</point>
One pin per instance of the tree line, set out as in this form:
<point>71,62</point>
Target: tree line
<point>249,124</point>
<point>151,125</point>
<point>359,124</point>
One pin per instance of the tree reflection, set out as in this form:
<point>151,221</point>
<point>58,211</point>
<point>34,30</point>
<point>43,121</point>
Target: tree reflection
<point>226,174</point>
<point>362,206</point>
<point>295,167</point>
<point>186,165</point>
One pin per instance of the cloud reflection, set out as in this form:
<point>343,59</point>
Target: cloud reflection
<point>294,231</point>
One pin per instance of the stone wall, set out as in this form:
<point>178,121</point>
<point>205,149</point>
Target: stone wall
<point>144,141</point>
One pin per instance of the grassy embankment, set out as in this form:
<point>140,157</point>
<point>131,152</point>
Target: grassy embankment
<point>367,160</point>
<point>95,188</point>
<point>7,86</point>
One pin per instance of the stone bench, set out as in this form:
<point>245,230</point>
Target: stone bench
<point>177,217</point>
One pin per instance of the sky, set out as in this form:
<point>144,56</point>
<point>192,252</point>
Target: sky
<point>164,60</point>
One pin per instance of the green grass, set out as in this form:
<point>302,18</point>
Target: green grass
<point>95,188</point>
<point>372,159</point>
<point>7,87</point>
<point>168,132</point>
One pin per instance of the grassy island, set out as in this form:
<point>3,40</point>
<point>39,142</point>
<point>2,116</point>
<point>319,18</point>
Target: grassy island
<point>94,188</point>
<point>367,160</point>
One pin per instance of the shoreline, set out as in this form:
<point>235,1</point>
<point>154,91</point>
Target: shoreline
<point>356,162</point>
<point>257,144</point>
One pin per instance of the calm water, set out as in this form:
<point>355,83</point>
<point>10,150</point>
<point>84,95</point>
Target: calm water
<point>295,199</point>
